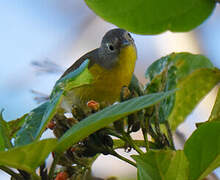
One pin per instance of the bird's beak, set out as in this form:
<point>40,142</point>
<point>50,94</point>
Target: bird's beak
<point>125,42</point>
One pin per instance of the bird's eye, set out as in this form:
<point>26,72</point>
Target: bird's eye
<point>110,47</point>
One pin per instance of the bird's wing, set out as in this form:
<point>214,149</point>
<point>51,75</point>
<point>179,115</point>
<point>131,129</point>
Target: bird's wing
<point>77,74</point>
<point>92,55</point>
<point>79,77</point>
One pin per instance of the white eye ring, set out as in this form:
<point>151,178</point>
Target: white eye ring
<point>110,47</point>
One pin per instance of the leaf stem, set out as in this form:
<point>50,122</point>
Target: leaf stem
<point>113,133</point>
<point>140,143</point>
<point>157,124</point>
<point>114,153</point>
<point>10,172</point>
<point>131,142</point>
<point>144,132</point>
<point>151,130</point>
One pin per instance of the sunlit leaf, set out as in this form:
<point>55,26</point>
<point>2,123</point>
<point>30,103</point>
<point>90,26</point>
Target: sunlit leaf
<point>193,75</point>
<point>153,17</point>
<point>4,134</point>
<point>202,150</point>
<point>28,157</point>
<point>192,90</point>
<point>161,165</point>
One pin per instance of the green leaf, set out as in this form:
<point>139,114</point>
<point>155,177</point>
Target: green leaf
<point>193,75</point>
<point>15,125</point>
<point>202,150</point>
<point>197,85</point>
<point>37,120</point>
<point>161,165</point>
<point>105,117</point>
<point>49,113</point>
<point>215,114</point>
<point>4,134</point>
<point>153,17</point>
<point>27,133</point>
<point>28,157</point>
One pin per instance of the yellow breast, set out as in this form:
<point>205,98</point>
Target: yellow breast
<point>107,84</point>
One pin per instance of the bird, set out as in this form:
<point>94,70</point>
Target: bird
<point>111,66</point>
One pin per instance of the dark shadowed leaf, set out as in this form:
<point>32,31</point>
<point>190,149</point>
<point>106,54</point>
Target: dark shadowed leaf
<point>153,17</point>
<point>161,165</point>
<point>202,150</point>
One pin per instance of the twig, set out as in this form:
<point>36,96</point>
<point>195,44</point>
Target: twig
<point>39,96</point>
<point>46,66</point>
<point>132,143</point>
<point>157,124</point>
<point>113,133</point>
<point>154,135</point>
<point>144,130</point>
<point>140,143</point>
<point>114,153</point>
<point>10,172</point>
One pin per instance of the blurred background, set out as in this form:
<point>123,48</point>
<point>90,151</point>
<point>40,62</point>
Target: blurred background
<point>35,33</point>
